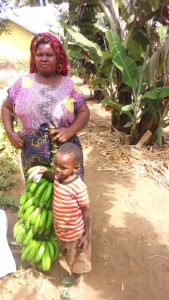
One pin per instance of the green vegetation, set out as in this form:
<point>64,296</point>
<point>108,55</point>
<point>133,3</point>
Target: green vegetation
<point>9,161</point>
<point>7,201</point>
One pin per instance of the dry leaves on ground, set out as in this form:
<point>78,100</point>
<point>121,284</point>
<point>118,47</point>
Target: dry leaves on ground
<point>123,158</point>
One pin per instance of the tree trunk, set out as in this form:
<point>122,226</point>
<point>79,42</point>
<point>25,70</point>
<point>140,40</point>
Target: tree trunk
<point>120,119</point>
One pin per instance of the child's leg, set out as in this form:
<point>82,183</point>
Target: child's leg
<point>77,279</point>
<point>76,289</point>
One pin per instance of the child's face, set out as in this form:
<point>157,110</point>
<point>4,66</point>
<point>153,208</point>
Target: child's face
<point>64,166</point>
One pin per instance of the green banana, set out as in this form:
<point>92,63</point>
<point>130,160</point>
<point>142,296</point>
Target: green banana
<point>49,220</point>
<point>32,186</point>
<point>48,204</point>
<point>35,247</point>
<point>28,224</point>
<point>21,213</point>
<point>28,203</point>
<point>49,192</point>
<point>28,187</point>
<point>51,249</point>
<point>28,212</point>
<point>20,236</point>
<point>56,247</point>
<point>40,251</point>
<point>25,252</point>
<point>40,189</point>
<point>22,199</point>
<point>46,260</point>
<point>40,230</point>
<point>35,251</point>
<point>42,199</point>
<point>43,218</point>
<point>28,237</point>
<point>36,225</point>
<point>30,180</point>
<point>28,251</point>
<point>18,226</point>
<point>28,195</point>
<point>34,215</point>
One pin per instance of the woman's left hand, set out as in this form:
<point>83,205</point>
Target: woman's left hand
<point>61,134</point>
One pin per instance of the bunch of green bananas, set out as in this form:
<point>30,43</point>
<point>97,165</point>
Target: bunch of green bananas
<point>34,229</point>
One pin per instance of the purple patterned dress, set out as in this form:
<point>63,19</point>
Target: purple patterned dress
<point>36,104</point>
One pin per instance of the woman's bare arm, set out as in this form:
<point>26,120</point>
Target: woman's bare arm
<point>7,119</point>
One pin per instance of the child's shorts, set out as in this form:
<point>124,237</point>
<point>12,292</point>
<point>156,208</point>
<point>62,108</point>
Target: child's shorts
<point>76,262</point>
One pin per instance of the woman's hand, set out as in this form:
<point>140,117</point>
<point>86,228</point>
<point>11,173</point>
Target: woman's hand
<point>15,139</point>
<point>61,134</point>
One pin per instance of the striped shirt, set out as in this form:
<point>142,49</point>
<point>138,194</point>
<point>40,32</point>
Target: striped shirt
<point>68,199</point>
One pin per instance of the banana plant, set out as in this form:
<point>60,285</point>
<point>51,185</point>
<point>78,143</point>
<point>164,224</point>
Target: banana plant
<point>94,51</point>
<point>134,78</point>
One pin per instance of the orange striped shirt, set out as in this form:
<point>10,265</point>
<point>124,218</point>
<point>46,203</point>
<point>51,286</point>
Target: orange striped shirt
<point>68,199</point>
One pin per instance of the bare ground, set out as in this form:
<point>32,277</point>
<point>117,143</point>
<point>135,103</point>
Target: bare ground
<point>130,227</point>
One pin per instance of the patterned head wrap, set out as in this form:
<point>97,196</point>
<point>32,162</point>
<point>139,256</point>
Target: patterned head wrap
<point>61,57</point>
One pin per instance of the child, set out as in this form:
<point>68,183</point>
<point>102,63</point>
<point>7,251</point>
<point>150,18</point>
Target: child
<point>71,216</point>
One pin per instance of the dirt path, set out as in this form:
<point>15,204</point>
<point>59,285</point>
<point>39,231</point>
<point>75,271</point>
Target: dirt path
<point>130,235</point>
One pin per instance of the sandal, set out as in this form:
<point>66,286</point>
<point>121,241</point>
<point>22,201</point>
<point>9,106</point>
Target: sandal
<point>71,295</point>
<point>67,281</point>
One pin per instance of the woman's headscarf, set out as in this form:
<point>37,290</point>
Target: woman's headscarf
<point>61,57</point>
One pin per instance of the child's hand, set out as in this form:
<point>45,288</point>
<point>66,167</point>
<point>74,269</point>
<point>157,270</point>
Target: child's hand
<point>37,173</point>
<point>83,243</point>
<point>41,170</point>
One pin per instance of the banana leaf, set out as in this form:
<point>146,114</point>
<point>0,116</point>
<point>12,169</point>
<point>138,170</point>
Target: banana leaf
<point>126,65</point>
<point>128,107</point>
<point>159,62</point>
<point>93,50</point>
<point>74,54</point>
<point>109,102</point>
<point>157,93</point>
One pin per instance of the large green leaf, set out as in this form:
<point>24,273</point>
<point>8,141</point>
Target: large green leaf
<point>126,65</point>
<point>93,50</point>
<point>157,93</point>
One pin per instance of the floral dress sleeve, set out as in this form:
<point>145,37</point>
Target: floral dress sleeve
<point>14,90</point>
<point>78,96</point>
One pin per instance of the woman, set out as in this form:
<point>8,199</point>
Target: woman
<point>42,99</point>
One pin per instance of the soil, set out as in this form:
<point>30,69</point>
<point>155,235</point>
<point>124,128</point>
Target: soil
<point>130,232</point>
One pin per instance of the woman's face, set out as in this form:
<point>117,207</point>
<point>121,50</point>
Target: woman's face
<point>45,60</point>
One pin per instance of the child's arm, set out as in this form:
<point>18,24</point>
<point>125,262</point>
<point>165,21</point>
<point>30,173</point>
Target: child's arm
<point>86,237</point>
<point>47,173</point>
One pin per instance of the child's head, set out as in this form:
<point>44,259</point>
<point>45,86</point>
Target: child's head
<point>67,161</point>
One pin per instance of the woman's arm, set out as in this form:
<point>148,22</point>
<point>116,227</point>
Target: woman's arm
<point>7,119</point>
<point>64,133</point>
